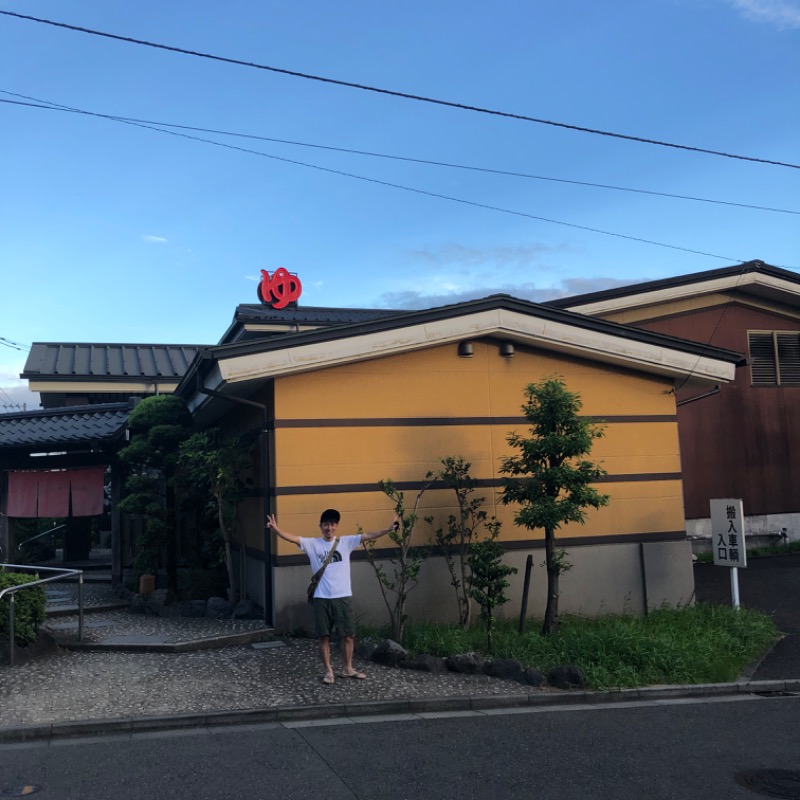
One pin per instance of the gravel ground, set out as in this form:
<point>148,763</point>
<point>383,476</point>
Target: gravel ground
<point>66,685</point>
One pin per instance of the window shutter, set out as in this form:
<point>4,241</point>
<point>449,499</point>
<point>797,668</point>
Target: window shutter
<point>763,370</point>
<point>788,359</point>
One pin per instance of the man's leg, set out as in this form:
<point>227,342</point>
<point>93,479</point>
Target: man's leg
<point>347,654</point>
<point>325,654</point>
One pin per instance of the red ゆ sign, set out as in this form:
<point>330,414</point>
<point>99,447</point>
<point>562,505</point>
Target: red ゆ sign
<point>279,289</point>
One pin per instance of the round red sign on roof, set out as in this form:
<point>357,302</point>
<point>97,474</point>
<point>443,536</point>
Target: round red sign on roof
<point>280,289</point>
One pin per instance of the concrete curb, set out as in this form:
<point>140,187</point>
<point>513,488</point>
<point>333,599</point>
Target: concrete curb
<point>187,646</point>
<point>291,714</point>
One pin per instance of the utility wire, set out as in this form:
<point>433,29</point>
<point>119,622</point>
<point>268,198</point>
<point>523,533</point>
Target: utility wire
<point>49,106</point>
<point>422,191</point>
<point>14,345</point>
<point>392,93</point>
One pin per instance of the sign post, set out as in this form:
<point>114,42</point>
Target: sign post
<point>728,540</point>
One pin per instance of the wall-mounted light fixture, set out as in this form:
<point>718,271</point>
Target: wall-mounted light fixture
<point>465,349</point>
<point>507,349</point>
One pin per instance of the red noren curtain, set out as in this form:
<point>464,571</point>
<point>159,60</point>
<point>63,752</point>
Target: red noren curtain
<point>47,494</point>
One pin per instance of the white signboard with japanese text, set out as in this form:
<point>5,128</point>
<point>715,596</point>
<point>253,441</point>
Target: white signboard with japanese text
<point>727,533</point>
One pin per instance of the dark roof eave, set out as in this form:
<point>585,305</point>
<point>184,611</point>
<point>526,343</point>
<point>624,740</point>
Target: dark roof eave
<point>202,363</point>
<point>633,289</point>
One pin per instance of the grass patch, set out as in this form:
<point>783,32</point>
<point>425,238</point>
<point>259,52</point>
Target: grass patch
<point>758,552</point>
<point>700,644</point>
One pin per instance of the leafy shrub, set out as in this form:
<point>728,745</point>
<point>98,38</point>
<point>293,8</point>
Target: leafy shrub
<point>29,607</point>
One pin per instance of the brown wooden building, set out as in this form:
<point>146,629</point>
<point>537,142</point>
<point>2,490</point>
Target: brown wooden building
<point>740,439</point>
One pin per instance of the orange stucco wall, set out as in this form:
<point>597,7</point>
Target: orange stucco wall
<point>341,430</point>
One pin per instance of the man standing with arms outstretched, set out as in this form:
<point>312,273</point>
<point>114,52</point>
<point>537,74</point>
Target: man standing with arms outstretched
<point>333,598</point>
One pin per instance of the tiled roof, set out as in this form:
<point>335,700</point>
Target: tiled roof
<point>63,426</point>
<point>296,318</point>
<point>65,360</point>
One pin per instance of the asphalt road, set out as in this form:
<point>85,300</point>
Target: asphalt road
<point>772,585</point>
<point>666,751</point>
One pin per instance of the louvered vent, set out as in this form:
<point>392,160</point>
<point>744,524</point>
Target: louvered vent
<point>774,358</point>
<point>788,359</point>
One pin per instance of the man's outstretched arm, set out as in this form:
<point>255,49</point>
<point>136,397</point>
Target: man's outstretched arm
<point>368,537</point>
<point>289,537</point>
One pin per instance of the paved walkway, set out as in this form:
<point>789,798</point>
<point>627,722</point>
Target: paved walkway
<point>139,672</point>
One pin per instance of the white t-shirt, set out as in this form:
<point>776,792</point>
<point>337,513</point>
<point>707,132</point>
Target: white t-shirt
<point>336,579</point>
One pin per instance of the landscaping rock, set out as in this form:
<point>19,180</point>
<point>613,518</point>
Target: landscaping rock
<point>390,653</point>
<point>219,608</point>
<point>138,605</point>
<point>247,609</point>
<point>532,677</point>
<point>567,676</point>
<point>159,600</point>
<point>193,608</point>
<point>466,663</point>
<point>506,668</point>
<point>424,663</point>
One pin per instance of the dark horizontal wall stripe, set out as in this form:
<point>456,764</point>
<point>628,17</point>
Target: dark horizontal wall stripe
<point>414,422</point>
<point>525,544</point>
<point>486,483</point>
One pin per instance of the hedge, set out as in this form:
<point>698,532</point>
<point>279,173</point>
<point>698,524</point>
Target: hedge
<point>29,607</point>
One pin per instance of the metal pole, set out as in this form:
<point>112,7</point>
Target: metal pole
<point>523,613</point>
<point>80,607</point>
<point>11,629</point>
<point>735,586</point>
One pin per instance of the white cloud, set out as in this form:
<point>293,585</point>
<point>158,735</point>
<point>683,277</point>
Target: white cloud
<point>154,239</point>
<point>781,13</point>
<point>523,291</point>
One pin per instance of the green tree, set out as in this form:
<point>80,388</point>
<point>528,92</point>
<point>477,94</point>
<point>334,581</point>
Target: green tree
<point>398,574</point>
<point>157,425</point>
<point>487,578</point>
<point>549,477</point>
<point>215,464</point>
<point>454,542</point>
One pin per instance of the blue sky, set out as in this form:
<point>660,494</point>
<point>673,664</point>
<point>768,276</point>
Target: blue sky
<point>112,232</point>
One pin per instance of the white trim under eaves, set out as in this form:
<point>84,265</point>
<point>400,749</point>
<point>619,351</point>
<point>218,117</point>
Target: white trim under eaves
<point>671,293</point>
<point>607,347</point>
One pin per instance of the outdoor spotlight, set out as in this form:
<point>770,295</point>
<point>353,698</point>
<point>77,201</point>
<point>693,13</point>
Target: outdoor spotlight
<point>465,349</point>
<point>507,349</point>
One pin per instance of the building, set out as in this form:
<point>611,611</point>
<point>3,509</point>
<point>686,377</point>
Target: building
<point>344,398</point>
<point>739,439</point>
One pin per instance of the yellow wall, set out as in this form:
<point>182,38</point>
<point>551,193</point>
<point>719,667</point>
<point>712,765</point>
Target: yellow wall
<point>340,462</point>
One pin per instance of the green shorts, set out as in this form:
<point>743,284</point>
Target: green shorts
<point>334,616</point>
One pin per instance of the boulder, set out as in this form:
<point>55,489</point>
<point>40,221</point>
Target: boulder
<point>219,608</point>
<point>138,605</point>
<point>424,663</point>
<point>193,608</point>
<point>532,677</point>
<point>568,676</point>
<point>507,668</point>
<point>390,653</point>
<point>247,609</point>
<point>466,663</point>
<point>158,600</point>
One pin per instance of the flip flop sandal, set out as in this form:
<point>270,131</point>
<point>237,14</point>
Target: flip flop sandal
<point>328,678</point>
<point>354,674</point>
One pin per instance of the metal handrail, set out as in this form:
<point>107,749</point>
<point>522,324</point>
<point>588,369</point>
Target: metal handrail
<point>10,590</point>
<point>39,535</point>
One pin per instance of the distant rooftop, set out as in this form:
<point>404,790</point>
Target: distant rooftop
<point>63,427</point>
<point>69,361</point>
<point>257,321</point>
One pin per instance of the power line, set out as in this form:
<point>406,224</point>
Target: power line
<point>50,106</point>
<point>14,345</point>
<point>426,193</point>
<point>393,93</point>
